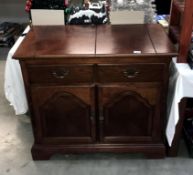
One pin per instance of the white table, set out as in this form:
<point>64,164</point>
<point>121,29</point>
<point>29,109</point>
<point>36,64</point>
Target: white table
<point>180,86</point>
<point>13,82</point>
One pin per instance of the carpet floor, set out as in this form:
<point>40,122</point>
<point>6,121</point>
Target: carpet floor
<point>3,52</point>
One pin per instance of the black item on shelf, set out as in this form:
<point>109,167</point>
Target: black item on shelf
<point>48,4</point>
<point>4,27</point>
<point>8,33</point>
<point>163,6</point>
<point>190,58</point>
<point>188,134</point>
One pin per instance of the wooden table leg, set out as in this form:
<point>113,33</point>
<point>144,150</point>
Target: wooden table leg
<point>173,150</point>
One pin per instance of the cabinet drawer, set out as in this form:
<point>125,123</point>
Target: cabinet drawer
<point>64,74</point>
<point>130,73</point>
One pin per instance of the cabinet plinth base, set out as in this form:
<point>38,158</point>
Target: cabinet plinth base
<point>151,151</point>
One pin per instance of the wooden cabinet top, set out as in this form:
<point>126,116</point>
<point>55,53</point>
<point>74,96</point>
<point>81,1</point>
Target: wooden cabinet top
<point>92,41</point>
<point>132,39</point>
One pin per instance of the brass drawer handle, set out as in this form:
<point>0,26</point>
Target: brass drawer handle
<point>60,74</point>
<point>131,73</point>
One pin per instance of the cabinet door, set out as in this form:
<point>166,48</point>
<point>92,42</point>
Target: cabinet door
<point>63,114</point>
<point>130,114</point>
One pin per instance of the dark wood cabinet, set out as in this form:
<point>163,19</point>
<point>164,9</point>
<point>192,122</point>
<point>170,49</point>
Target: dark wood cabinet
<point>180,31</point>
<point>181,26</point>
<point>104,99</point>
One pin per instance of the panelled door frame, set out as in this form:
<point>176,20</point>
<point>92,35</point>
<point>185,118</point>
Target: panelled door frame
<point>39,121</point>
<point>156,120</point>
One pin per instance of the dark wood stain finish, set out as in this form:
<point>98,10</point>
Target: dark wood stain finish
<point>127,118</point>
<point>180,27</point>
<point>123,40</point>
<point>64,113</point>
<point>89,92</point>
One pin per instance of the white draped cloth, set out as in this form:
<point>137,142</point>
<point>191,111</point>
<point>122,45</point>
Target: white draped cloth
<point>13,82</point>
<point>180,86</point>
